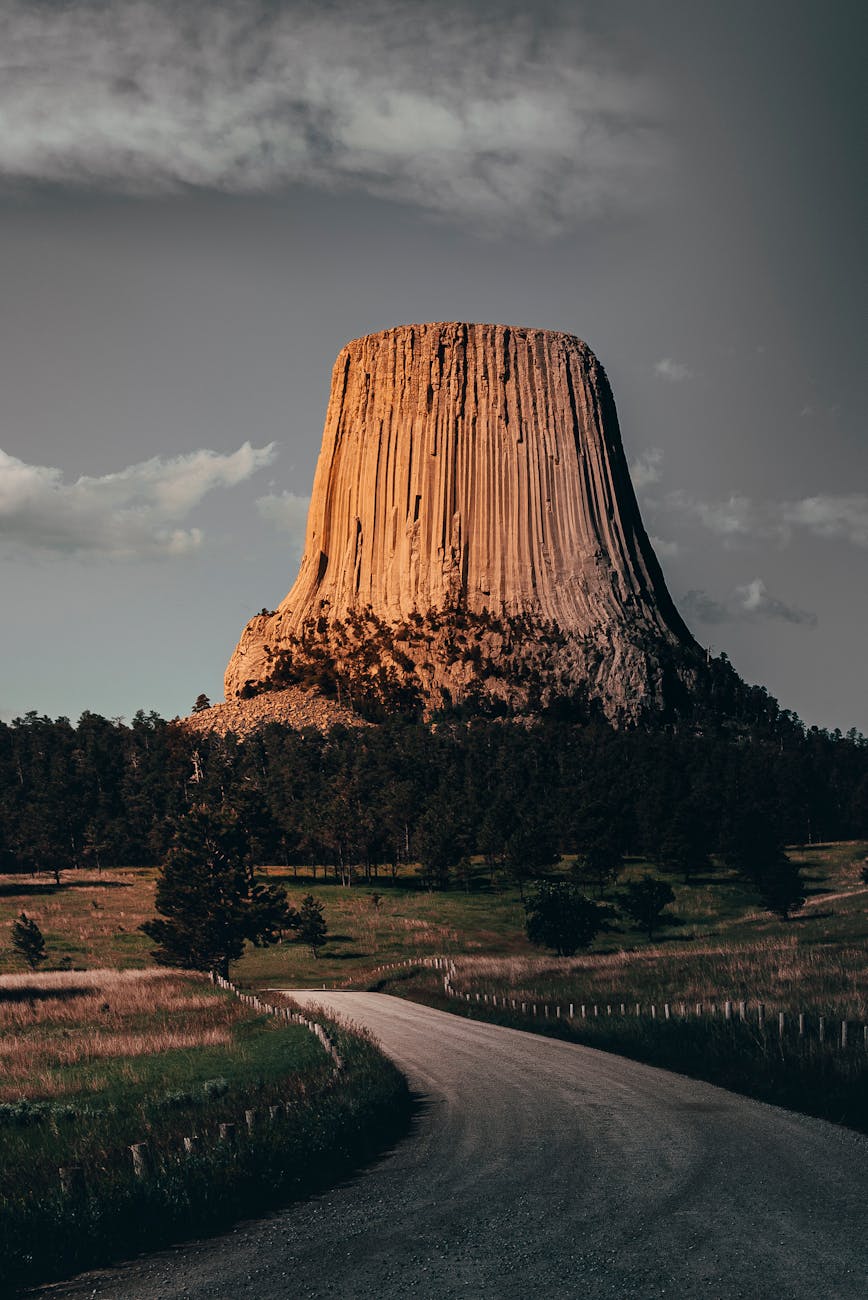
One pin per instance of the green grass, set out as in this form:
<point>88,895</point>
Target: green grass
<point>718,911</point>
<point>91,1070</point>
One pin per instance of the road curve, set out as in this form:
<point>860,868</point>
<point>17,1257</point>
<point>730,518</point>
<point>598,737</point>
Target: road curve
<point>543,1167</point>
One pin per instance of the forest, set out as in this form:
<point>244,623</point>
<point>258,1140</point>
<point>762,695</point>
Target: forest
<point>363,801</point>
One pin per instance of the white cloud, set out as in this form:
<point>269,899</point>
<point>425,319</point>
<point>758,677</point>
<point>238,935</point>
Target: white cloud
<point>285,511</point>
<point>645,469</point>
<point>674,372</point>
<point>461,111</point>
<point>756,602</point>
<point>132,513</point>
<point>740,517</point>
<point>749,603</point>
<point>830,516</point>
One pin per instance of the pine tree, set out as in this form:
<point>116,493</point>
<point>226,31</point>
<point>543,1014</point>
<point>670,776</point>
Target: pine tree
<point>27,941</point>
<point>202,703</point>
<point>781,889</point>
<point>209,898</point>
<point>312,928</point>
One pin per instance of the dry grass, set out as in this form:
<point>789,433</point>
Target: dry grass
<point>57,1020</point>
<point>782,972</point>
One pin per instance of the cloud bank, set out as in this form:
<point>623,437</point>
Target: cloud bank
<point>135,513</point>
<point>509,116</point>
<point>749,603</point>
<point>834,517</point>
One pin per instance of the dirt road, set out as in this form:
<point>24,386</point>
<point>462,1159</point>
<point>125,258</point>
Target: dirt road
<point>541,1168</point>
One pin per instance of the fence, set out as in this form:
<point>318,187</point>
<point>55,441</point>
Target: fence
<point>72,1178</point>
<point>831,1032</point>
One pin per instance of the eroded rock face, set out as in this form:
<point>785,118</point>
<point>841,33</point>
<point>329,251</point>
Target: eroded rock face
<point>473,533</point>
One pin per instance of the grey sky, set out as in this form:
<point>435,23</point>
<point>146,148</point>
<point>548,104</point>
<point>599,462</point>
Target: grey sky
<point>200,203</point>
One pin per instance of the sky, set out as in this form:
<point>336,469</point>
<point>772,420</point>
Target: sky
<point>201,202</point>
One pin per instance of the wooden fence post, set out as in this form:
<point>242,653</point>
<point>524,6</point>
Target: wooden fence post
<point>801,1024</point>
<point>250,1118</point>
<point>192,1145</point>
<point>727,1010</point>
<point>666,1011</point>
<point>822,1029</point>
<point>143,1161</point>
<point>843,1033</point>
<point>572,1010</point>
<point>781,1023</point>
<point>761,1014</point>
<point>227,1134</point>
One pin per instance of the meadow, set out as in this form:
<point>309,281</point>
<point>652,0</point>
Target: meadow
<point>95,1061</point>
<point>722,945</point>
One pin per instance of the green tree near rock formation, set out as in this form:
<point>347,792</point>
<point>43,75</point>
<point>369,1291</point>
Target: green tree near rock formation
<point>209,900</point>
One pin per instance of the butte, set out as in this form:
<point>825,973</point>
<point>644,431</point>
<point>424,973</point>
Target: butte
<point>473,539</point>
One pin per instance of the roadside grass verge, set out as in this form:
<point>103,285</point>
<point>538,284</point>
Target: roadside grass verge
<point>88,1102</point>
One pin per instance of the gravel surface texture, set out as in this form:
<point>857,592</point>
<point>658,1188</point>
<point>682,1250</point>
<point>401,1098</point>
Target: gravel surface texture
<point>542,1168</point>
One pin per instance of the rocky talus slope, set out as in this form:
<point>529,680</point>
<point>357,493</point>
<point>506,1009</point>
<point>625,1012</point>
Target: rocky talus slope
<point>292,707</point>
<point>473,535</point>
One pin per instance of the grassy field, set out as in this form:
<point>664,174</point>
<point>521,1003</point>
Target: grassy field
<point>94,1061</point>
<point>722,943</point>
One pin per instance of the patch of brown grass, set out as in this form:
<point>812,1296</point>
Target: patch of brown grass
<point>57,1020</point>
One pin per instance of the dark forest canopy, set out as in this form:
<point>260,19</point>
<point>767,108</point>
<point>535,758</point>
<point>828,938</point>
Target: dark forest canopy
<point>104,793</point>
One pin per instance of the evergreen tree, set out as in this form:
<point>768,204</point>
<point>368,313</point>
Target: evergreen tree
<point>685,844</point>
<point>781,889</point>
<point>312,928</point>
<point>201,703</point>
<point>209,898</point>
<point>27,941</point>
<point>643,901</point>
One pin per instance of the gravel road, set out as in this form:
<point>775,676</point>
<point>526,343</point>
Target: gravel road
<point>544,1168</point>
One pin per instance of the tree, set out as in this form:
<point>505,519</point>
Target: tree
<point>209,898</point>
<point>781,889</point>
<point>530,850</point>
<point>312,928</point>
<point>559,916</point>
<point>644,900</point>
<point>685,843</point>
<point>27,941</point>
<point>601,862</point>
<point>752,844</point>
<point>202,703</point>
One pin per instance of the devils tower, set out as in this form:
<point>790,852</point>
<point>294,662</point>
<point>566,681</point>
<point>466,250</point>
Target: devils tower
<point>473,536</point>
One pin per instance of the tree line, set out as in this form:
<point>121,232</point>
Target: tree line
<point>362,802</point>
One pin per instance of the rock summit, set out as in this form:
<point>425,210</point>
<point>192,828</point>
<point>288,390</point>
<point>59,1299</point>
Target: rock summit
<point>473,538</point>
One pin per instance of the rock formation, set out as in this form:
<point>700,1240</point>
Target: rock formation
<point>473,536</point>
